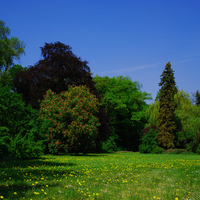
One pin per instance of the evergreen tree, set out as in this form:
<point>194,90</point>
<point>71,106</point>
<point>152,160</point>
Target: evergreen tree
<point>197,98</point>
<point>166,117</point>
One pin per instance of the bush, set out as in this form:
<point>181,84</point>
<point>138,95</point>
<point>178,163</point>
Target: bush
<point>198,149</point>
<point>157,150</point>
<point>16,123</point>
<point>4,141</point>
<point>148,142</point>
<point>71,121</point>
<point>26,147</point>
<point>109,145</point>
<point>178,151</point>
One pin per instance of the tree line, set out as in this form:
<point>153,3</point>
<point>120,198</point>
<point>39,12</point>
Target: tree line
<point>56,106</point>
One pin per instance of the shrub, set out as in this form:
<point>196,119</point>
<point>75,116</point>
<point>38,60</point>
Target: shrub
<point>198,149</point>
<point>148,142</point>
<point>178,151</point>
<point>26,146</point>
<point>109,145</point>
<point>4,141</point>
<point>157,150</point>
<point>70,116</point>
<point>15,127</point>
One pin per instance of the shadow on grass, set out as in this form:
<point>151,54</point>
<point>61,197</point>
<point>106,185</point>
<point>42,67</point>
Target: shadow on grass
<point>25,175</point>
<point>19,191</point>
<point>13,162</point>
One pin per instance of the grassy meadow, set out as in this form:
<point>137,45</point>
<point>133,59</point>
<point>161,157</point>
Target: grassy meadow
<point>102,176</point>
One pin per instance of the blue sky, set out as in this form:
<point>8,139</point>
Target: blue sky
<point>117,37</point>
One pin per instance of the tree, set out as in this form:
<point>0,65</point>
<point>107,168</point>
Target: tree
<point>125,105</point>
<point>167,125</point>
<point>72,125</point>
<point>10,47</point>
<point>197,98</point>
<point>7,77</point>
<point>58,69</point>
<point>188,122</point>
<point>187,119</point>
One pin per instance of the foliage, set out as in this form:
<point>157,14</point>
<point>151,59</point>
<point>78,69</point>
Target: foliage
<point>197,98</point>
<point>7,77</point>
<point>157,150</point>
<point>152,113</point>
<point>58,69</point>
<point>109,145</point>
<point>26,146</point>
<point>198,149</point>
<point>178,151</point>
<point>10,47</point>
<point>188,122</point>
<point>125,105</point>
<point>15,127</point>
<point>187,119</point>
<point>166,117</point>
<point>122,175</point>
<point>72,123</point>
<point>4,141</point>
<point>148,142</point>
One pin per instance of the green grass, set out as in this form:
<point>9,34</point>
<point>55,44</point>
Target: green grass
<point>102,176</point>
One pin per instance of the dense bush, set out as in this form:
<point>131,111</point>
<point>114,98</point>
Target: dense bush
<point>109,145</point>
<point>198,149</point>
<point>17,123</point>
<point>148,142</point>
<point>72,125</point>
<point>157,150</point>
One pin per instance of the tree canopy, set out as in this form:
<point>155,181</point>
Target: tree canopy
<point>125,105</point>
<point>10,47</point>
<point>73,127</point>
<point>58,69</point>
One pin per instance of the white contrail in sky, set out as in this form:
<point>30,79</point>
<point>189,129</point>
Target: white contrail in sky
<point>129,69</point>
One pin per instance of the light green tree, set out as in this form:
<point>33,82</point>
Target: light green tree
<point>10,47</point>
<point>125,105</point>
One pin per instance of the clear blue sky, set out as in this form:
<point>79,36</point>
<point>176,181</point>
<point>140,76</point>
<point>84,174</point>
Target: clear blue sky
<point>134,38</point>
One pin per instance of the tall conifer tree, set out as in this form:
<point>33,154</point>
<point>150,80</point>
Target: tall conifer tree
<point>197,98</point>
<point>166,118</point>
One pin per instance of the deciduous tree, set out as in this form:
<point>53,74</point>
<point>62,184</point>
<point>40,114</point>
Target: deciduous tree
<point>10,47</point>
<point>125,105</point>
<point>58,69</point>
<point>71,117</point>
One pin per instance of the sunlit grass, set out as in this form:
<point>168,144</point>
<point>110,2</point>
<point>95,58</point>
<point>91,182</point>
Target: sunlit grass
<point>102,176</point>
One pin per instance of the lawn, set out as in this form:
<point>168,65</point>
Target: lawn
<point>102,176</point>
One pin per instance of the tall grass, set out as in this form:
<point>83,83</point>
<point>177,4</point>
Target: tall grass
<point>102,176</point>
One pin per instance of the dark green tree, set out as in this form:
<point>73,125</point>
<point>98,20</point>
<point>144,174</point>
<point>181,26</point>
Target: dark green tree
<point>167,125</point>
<point>19,127</point>
<point>197,98</point>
